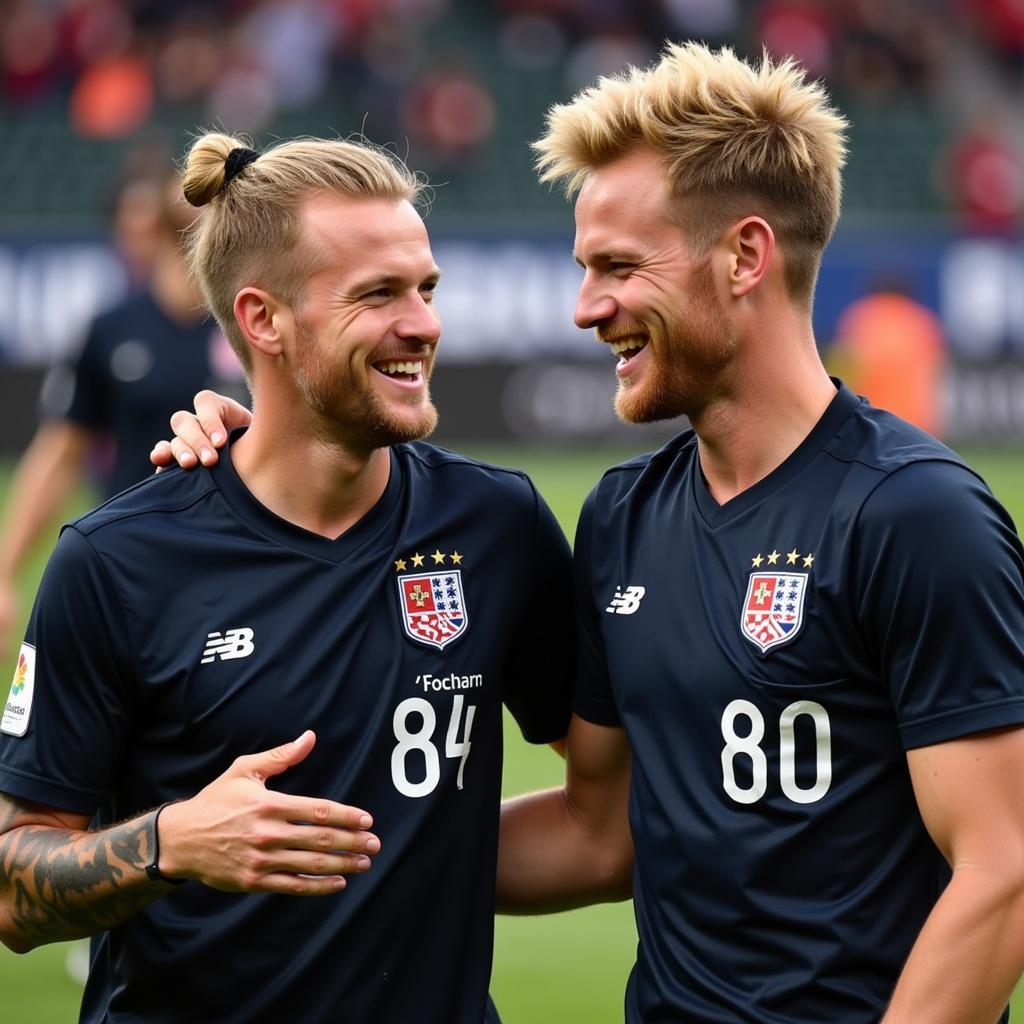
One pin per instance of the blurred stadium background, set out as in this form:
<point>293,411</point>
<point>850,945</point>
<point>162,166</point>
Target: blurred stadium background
<point>93,90</point>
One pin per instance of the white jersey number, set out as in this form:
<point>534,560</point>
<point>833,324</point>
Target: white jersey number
<point>749,746</point>
<point>421,741</point>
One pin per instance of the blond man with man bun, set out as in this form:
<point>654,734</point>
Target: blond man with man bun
<point>237,673</point>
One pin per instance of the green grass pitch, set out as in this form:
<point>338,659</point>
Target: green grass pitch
<point>548,970</point>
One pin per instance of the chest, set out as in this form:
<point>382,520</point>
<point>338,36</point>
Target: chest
<point>397,667</point>
<point>740,647</point>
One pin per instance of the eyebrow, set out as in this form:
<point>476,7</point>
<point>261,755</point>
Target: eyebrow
<point>615,255</point>
<point>370,284</point>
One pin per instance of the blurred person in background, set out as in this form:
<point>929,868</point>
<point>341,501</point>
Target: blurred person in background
<point>141,360</point>
<point>891,349</point>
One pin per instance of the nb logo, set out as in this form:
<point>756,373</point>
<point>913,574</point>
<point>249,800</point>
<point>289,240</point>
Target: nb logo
<point>235,643</point>
<point>626,602</point>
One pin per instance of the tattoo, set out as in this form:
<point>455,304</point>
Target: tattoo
<point>58,883</point>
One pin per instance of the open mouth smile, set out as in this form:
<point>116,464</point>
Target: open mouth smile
<point>407,372</point>
<point>627,349</point>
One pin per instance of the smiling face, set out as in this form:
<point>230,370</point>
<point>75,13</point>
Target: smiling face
<point>646,294</point>
<point>366,330</point>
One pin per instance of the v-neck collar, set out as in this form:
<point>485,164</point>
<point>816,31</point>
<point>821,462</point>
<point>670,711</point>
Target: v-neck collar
<point>844,402</point>
<point>270,525</point>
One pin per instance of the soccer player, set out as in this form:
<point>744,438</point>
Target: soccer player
<point>802,621</point>
<point>329,574</point>
<point>141,360</point>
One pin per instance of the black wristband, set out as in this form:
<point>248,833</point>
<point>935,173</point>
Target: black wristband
<point>153,872</point>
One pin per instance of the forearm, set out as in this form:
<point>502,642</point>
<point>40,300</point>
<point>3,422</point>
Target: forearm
<point>550,859</point>
<point>59,883</point>
<point>969,955</point>
<point>42,482</point>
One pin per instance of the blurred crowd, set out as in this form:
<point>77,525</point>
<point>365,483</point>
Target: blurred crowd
<point>441,73</point>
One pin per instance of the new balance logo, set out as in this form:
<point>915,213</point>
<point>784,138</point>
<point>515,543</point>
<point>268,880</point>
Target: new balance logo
<point>626,602</point>
<point>235,643</point>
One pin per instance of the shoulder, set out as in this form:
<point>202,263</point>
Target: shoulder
<point>172,491</point>
<point>459,477</point>
<point>939,507</point>
<point>637,477</point>
<point>905,472</point>
<point>881,441</point>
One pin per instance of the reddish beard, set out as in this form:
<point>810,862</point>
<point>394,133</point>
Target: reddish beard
<point>352,412</point>
<point>686,357</point>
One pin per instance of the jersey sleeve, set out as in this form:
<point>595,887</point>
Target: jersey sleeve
<point>76,705</point>
<point>940,574</point>
<point>89,398</point>
<point>594,700</point>
<point>539,671</point>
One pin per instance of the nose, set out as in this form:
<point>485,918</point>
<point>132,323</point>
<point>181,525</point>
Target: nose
<point>594,305</point>
<point>420,320</point>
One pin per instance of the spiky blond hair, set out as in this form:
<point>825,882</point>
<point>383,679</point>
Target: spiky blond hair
<point>735,138</point>
<point>250,233</point>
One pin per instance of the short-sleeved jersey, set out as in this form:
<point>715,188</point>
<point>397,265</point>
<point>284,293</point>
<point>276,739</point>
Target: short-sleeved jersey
<point>771,660</point>
<point>183,624</point>
<point>137,366</point>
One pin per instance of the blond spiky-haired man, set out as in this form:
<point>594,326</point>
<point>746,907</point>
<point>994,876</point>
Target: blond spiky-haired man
<point>802,620</point>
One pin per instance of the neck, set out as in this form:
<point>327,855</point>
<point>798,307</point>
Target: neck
<point>309,480</point>
<point>777,391</point>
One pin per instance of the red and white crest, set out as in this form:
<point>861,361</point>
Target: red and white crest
<point>773,610</point>
<point>433,606</point>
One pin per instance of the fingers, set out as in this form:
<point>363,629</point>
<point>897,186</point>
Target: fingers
<point>210,410</point>
<point>308,861</point>
<point>268,763</point>
<point>314,865</point>
<point>190,444</point>
<point>161,456</point>
<point>303,860</point>
<point>217,414</point>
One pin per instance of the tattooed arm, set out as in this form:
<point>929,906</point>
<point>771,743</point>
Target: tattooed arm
<point>59,882</point>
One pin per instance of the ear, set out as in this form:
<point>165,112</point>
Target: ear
<point>750,244</point>
<point>259,315</point>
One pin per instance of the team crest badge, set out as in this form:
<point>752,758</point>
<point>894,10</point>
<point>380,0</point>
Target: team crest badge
<point>433,607</point>
<point>773,610</point>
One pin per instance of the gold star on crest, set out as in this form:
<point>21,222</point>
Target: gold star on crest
<point>773,557</point>
<point>438,557</point>
<point>792,557</point>
<point>400,565</point>
<point>417,559</point>
<point>756,562</point>
<point>456,558</point>
<point>809,561</point>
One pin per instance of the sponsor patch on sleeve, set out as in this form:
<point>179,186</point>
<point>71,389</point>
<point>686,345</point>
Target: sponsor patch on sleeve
<point>19,700</point>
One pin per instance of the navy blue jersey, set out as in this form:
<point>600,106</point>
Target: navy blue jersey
<point>771,660</point>
<point>137,367</point>
<point>183,624</point>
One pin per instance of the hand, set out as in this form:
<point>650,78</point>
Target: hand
<point>197,436</point>
<point>239,836</point>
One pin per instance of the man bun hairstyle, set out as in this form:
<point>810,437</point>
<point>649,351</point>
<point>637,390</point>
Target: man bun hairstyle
<point>248,233</point>
<point>206,167</point>
<point>736,139</point>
